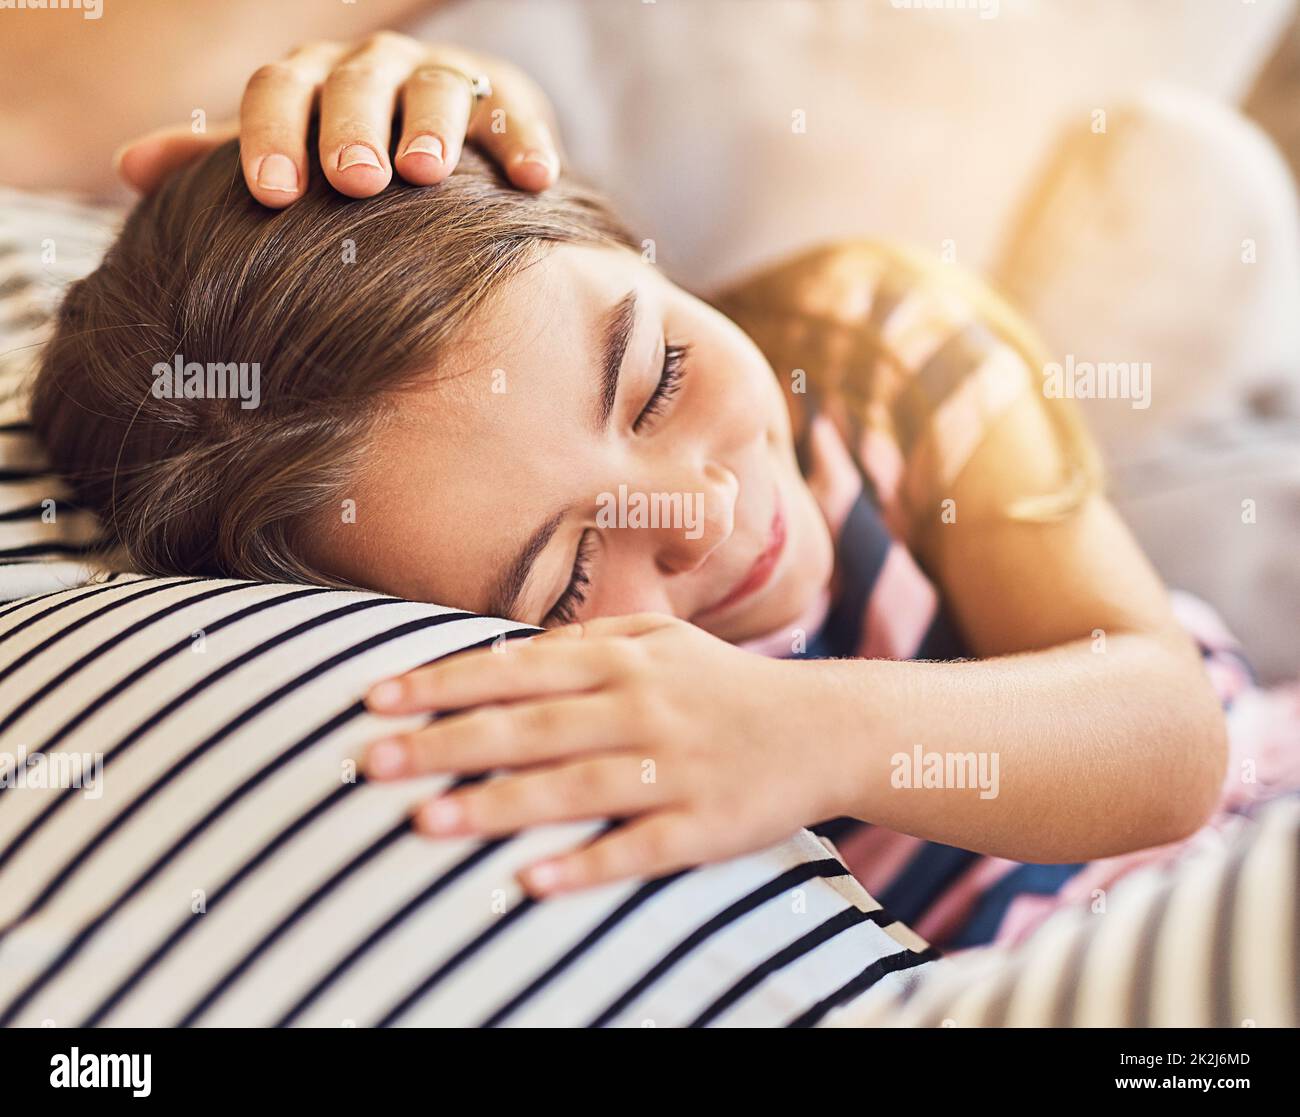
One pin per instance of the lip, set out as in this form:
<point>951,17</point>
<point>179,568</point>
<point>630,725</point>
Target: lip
<point>760,573</point>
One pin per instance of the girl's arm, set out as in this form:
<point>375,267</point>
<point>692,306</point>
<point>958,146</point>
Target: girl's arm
<point>1107,734</point>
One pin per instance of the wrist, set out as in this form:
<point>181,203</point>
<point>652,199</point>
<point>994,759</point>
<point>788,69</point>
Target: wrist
<point>841,729</point>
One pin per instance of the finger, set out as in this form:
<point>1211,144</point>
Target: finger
<point>144,163</point>
<point>515,672</point>
<point>273,121</point>
<point>436,108</point>
<point>659,843</point>
<point>632,624</point>
<point>599,787</point>
<point>357,103</point>
<point>512,126</point>
<point>499,737</point>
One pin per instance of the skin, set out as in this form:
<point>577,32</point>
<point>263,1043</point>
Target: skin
<point>635,711</point>
<point>543,334</point>
<point>142,65</point>
<point>1099,753</point>
<point>357,88</point>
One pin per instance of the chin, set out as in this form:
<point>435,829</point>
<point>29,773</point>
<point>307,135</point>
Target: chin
<point>784,608</point>
<point>805,574</point>
<point>810,559</point>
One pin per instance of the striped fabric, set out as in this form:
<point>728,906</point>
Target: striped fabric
<point>184,839</point>
<point>887,607</point>
<point>45,243</point>
<point>228,866</point>
<point>912,366</point>
<point>1213,944</point>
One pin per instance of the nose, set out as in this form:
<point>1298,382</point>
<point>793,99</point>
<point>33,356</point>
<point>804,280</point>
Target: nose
<point>708,503</point>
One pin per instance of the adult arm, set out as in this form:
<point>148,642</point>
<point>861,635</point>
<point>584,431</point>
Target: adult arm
<point>76,88</point>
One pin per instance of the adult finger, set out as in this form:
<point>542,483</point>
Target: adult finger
<point>437,102</point>
<point>357,102</point>
<point>144,163</point>
<point>513,126</point>
<point>273,121</point>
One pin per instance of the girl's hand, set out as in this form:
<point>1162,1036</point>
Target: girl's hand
<point>360,87</point>
<point>705,749</point>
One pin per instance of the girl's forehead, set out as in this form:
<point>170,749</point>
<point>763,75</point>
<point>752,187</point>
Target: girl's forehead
<point>519,377</point>
<point>537,342</point>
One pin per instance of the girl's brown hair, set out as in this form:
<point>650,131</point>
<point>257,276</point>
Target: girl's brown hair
<point>337,301</point>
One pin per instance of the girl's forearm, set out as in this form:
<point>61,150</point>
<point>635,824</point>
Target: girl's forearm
<point>1057,755</point>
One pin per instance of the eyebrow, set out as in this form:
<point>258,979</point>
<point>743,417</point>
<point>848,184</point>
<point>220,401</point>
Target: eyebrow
<point>508,591</point>
<point>614,335</point>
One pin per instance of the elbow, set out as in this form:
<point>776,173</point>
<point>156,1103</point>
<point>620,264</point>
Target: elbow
<point>1207,795</point>
<point>1198,764</point>
<point>1186,736</point>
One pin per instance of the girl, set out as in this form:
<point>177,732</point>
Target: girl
<point>961,641</point>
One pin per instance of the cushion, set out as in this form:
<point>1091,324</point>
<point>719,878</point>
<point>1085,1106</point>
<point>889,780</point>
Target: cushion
<point>185,839</point>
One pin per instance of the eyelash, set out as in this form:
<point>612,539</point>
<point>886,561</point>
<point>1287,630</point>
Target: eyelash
<point>575,593</point>
<point>574,596</point>
<point>670,381</point>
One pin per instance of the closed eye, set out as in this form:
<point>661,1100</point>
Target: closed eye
<point>565,609</point>
<point>670,381</point>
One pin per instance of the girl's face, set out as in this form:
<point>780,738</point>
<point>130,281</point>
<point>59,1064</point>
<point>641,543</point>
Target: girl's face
<point>597,442</point>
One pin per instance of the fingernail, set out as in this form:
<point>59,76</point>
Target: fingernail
<point>544,876</point>
<point>385,759</point>
<point>358,155</point>
<point>425,145</point>
<point>442,816</point>
<point>278,173</point>
<point>384,696</point>
<point>538,158</point>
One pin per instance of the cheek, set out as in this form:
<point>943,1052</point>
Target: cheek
<point>815,554</point>
<point>752,376</point>
<point>627,580</point>
<point>738,387</point>
<point>627,587</point>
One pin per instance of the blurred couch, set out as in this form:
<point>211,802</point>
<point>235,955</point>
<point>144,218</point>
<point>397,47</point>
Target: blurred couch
<point>926,123</point>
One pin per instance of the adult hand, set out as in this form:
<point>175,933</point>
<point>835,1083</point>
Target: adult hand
<point>360,89</point>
